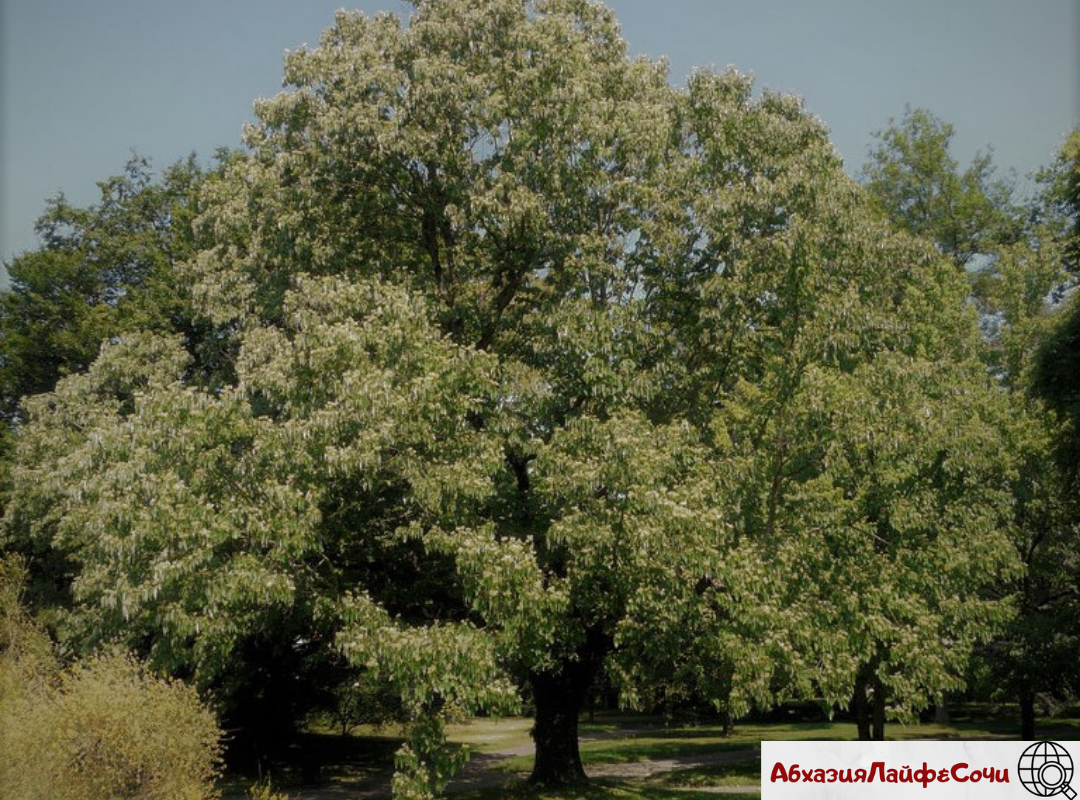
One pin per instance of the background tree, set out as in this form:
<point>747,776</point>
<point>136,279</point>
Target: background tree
<point>1021,273</point>
<point>1057,363</point>
<point>1061,191</point>
<point>1047,648</point>
<point>1035,655</point>
<point>1023,290</point>
<point>101,270</point>
<point>919,185</point>
<point>917,456</point>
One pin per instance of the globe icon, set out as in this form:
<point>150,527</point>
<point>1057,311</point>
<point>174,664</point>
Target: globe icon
<point>1046,769</point>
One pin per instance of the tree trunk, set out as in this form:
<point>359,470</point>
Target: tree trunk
<point>877,713</point>
<point>559,697</point>
<point>861,707</point>
<point>728,722</point>
<point>1027,715</point>
<point>941,712</point>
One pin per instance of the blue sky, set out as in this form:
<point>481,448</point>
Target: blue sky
<point>86,83</point>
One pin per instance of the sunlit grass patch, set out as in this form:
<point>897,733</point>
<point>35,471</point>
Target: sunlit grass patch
<point>739,773</point>
<point>484,734</point>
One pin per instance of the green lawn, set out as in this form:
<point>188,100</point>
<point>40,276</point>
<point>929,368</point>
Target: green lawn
<point>739,773</point>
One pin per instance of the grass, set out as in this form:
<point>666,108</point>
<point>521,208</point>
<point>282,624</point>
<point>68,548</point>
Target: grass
<point>638,748</point>
<point>599,790</point>
<point>485,735</point>
<point>740,773</point>
<point>626,738</point>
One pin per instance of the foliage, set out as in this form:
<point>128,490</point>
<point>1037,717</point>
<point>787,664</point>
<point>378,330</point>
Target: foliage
<point>262,790</point>
<point>919,185</point>
<point>100,270</point>
<point>1061,191</point>
<point>1057,361</point>
<point>361,700</point>
<point>1055,379</point>
<point>1040,656</point>
<point>190,518</point>
<point>1015,293</point>
<point>27,661</point>
<point>105,728</point>
<point>1019,277</point>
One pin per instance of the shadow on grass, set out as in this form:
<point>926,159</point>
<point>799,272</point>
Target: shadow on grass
<point>602,789</point>
<point>652,749</point>
<point>322,759</point>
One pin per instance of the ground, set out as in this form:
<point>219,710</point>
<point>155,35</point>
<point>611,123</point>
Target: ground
<point>626,757</point>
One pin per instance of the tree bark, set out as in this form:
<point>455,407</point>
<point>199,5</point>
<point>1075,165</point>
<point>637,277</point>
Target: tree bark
<point>1027,715</point>
<point>860,705</point>
<point>941,712</point>
<point>877,711</point>
<point>559,697</point>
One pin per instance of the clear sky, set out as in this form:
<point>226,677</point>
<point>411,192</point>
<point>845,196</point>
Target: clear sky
<point>86,82</point>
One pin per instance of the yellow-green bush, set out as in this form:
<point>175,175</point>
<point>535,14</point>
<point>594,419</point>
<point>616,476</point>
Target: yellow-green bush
<point>105,729</point>
<point>27,661</point>
<point>262,790</point>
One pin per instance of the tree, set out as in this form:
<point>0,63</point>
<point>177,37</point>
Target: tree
<point>1036,653</point>
<point>1042,656</point>
<point>1023,289</point>
<point>101,270</point>
<point>1061,193</point>
<point>919,185</point>
<point>1054,369</point>
<point>1020,276</point>
<point>917,458</point>
<point>523,341</point>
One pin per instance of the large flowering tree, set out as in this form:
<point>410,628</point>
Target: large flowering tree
<point>543,367</point>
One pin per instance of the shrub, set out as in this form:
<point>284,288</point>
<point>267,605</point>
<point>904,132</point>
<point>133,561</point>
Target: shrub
<point>27,661</point>
<point>105,729</point>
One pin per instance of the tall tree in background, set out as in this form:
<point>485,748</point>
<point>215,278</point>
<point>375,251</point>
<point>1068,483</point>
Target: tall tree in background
<point>1058,365</point>
<point>1053,641</point>
<point>1021,291</point>
<point>1056,375</point>
<point>537,359</point>
<point>100,270</point>
<point>1022,271</point>
<point>1061,182</point>
<point>919,185</point>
